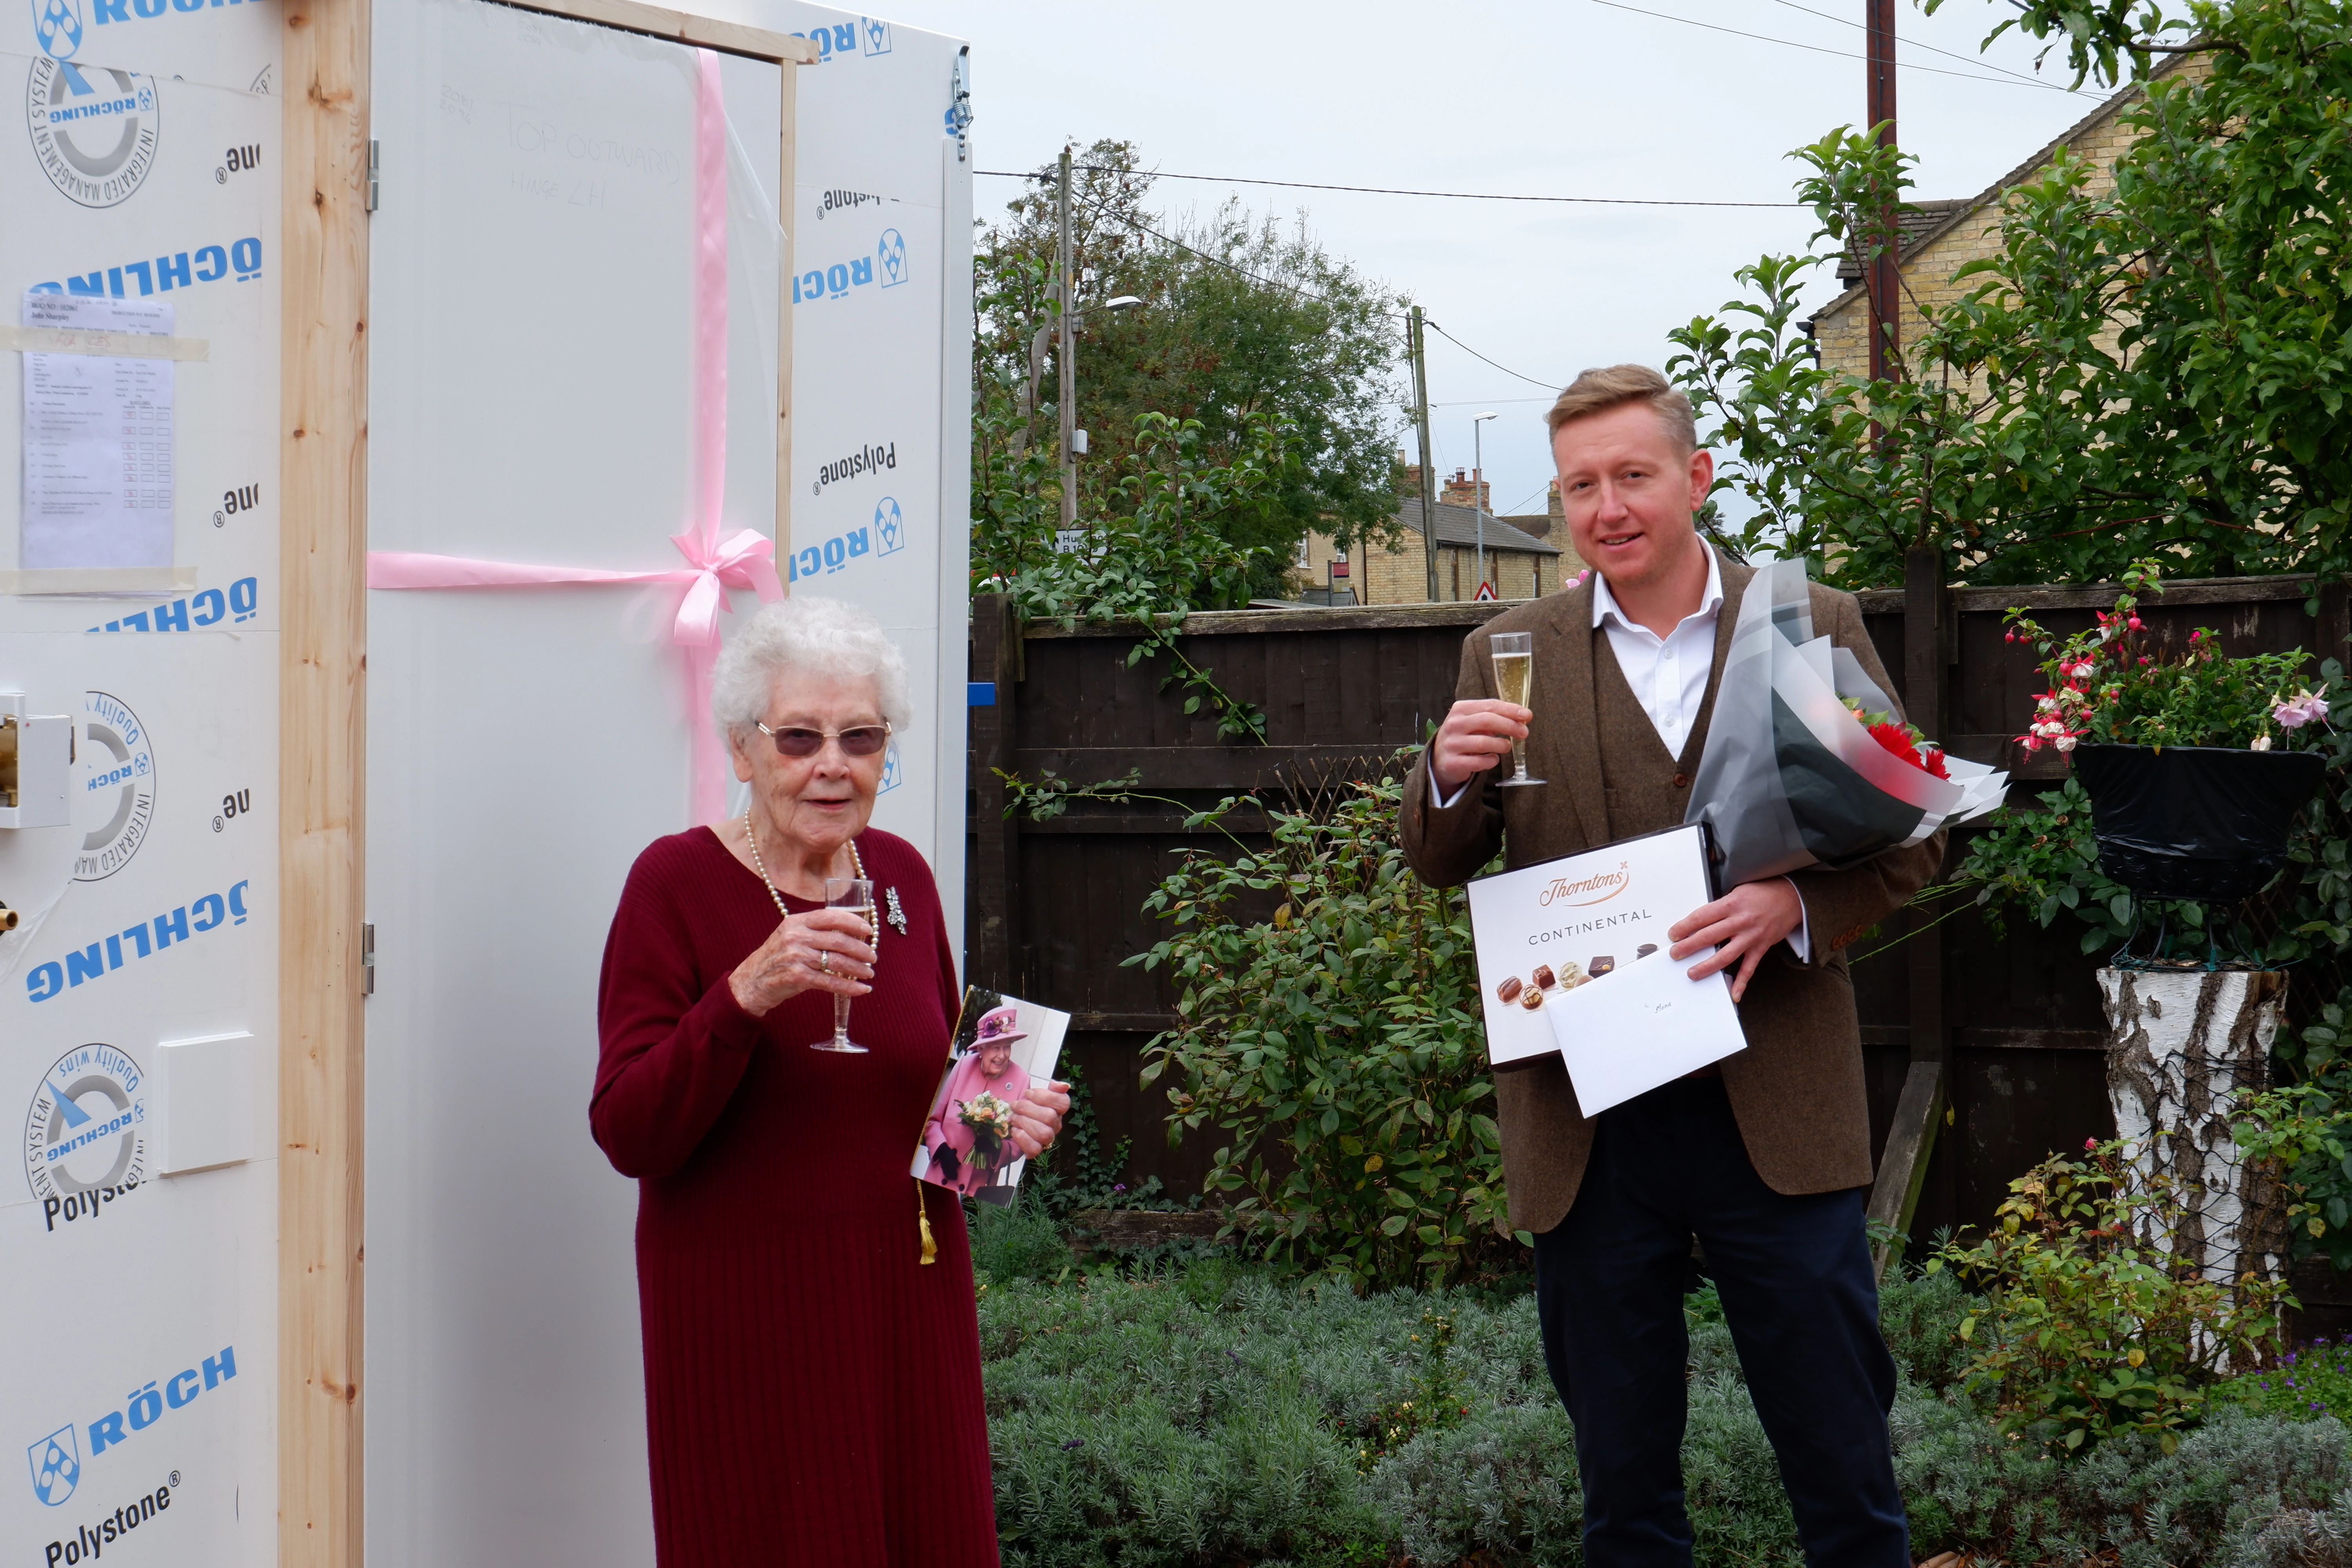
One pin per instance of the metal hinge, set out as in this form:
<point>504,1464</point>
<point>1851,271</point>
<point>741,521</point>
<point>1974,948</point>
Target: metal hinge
<point>367,961</point>
<point>376,173</point>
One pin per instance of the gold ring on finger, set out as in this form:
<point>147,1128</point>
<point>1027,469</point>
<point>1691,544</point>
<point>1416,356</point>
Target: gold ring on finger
<point>824,960</point>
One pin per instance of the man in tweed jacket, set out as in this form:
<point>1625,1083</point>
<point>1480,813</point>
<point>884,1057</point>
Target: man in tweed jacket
<point>1763,1160</point>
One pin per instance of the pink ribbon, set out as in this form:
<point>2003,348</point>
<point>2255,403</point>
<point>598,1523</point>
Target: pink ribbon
<point>713,564</point>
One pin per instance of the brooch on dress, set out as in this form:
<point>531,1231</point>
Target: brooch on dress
<point>895,915</point>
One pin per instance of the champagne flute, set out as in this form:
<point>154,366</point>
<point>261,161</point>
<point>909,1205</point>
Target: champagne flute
<point>1515,675</point>
<point>847,893</point>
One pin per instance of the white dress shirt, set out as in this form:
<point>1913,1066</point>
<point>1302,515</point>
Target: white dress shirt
<point>1668,675</point>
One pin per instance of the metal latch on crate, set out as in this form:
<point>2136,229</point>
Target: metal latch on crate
<point>367,960</point>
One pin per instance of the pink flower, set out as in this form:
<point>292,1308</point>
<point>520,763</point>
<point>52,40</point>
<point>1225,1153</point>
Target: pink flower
<point>2134,623</point>
<point>2198,635</point>
<point>2084,671</point>
<point>2300,710</point>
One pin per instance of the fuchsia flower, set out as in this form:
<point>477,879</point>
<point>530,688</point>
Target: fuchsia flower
<point>2301,709</point>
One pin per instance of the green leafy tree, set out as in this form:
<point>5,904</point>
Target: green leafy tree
<point>2158,365</point>
<point>1245,320</point>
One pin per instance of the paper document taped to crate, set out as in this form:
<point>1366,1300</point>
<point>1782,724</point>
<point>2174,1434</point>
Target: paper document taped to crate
<point>1566,931</point>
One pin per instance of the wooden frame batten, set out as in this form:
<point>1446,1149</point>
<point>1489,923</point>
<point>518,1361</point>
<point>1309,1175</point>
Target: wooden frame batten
<point>322,773</point>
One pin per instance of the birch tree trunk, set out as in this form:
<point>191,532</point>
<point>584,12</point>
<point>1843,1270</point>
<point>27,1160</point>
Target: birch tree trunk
<point>2183,1046</point>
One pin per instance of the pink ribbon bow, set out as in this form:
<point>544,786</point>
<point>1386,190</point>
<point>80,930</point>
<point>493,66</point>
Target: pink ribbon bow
<point>743,559</point>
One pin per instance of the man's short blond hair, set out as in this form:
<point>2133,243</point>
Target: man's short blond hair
<point>1598,391</point>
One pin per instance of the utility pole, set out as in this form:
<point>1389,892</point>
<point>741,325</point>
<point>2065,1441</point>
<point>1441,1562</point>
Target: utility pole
<point>1069,390</point>
<point>1884,280</point>
<point>1478,484</point>
<point>1421,419</point>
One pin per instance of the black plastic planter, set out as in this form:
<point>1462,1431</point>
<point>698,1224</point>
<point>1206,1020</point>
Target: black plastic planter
<point>2208,823</point>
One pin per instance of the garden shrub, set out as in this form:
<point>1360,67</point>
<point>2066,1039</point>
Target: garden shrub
<point>1337,1046</point>
<point>1214,1413</point>
<point>1020,1241</point>
<point>2313,1380</point>
<point>2092,1323</point>
<point>1969,1487</point>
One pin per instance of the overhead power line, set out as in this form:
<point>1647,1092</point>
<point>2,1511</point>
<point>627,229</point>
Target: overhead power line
<point>1816,48</point>
<point>1474,354</point>
<point>1916,44</point>
<point>1105,208</point>
<point>1387,191</point>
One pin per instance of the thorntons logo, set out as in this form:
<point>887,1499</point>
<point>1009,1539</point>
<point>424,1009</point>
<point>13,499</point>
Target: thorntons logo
<point>1597,889</point>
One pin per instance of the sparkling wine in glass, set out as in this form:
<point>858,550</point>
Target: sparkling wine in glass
<point>854,893</point>
<point>1515,675</point>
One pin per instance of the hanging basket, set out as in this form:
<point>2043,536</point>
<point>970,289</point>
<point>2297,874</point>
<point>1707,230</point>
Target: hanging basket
<point>2208,823</point>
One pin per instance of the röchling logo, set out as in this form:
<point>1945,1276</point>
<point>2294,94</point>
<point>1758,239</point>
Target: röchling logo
<point>178,268</point>
<point>86,1137</point>
<point>94,132</point>
<point>867,36</point>
<point>843,277</point>
<point>57,1466</point>
<point>885,536</point>
<point>115,797</point>
<point>57,1459</point>
<point>57,28</point>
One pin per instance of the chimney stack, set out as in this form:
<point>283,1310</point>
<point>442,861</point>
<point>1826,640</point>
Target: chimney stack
<point>1462,490</point>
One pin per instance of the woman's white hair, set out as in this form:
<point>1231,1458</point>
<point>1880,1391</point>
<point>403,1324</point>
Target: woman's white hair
<point>800,637</point>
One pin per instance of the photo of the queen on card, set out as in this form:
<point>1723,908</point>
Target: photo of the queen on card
<point>1002,1045</point>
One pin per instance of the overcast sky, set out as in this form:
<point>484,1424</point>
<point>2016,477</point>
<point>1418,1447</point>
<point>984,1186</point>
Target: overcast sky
<point>1528,97</point>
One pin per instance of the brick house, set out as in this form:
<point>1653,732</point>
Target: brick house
<point>1521,561</point>
<point>1943,236</point>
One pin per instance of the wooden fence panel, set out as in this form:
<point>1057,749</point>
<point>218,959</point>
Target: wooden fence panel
<point>2015,1013</point>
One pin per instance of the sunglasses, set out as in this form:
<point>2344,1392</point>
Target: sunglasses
<point>865,741</point>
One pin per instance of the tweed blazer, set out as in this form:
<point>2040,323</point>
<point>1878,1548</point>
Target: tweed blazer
<point>1798,1090</point>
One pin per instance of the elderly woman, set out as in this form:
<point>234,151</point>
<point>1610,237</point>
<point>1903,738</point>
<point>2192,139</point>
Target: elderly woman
<point>813,1386</point>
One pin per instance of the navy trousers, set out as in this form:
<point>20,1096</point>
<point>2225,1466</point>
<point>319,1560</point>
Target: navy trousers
<point>1795,1278</point>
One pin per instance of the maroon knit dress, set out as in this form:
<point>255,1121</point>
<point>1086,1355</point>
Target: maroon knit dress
<point>813,1390</point>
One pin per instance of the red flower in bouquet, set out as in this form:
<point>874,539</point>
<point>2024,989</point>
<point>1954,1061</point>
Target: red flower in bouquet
<point>1903,741</point>
<point>1907,744</point>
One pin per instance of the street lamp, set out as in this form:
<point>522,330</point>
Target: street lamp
<point>1478,483</point>
<point>1071,439</point>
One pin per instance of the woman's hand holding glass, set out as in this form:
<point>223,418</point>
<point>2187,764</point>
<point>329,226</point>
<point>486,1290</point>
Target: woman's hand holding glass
<point>824,950</point>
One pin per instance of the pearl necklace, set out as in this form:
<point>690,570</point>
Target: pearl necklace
<point>857,864</point>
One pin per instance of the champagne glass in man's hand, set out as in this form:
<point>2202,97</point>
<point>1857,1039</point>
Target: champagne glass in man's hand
<point>1515,675</point>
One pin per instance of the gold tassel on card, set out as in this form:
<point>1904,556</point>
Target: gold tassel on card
<point>923,1222</point>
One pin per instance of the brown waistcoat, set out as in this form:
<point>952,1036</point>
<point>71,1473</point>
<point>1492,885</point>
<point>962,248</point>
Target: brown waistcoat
<point>1798,1090</point>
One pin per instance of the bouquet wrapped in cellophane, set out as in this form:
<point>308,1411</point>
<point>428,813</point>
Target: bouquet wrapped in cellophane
<point>1806,763</point>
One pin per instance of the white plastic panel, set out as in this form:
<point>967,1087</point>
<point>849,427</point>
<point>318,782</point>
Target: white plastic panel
<point>146,163</point>
<point>531,401</point>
